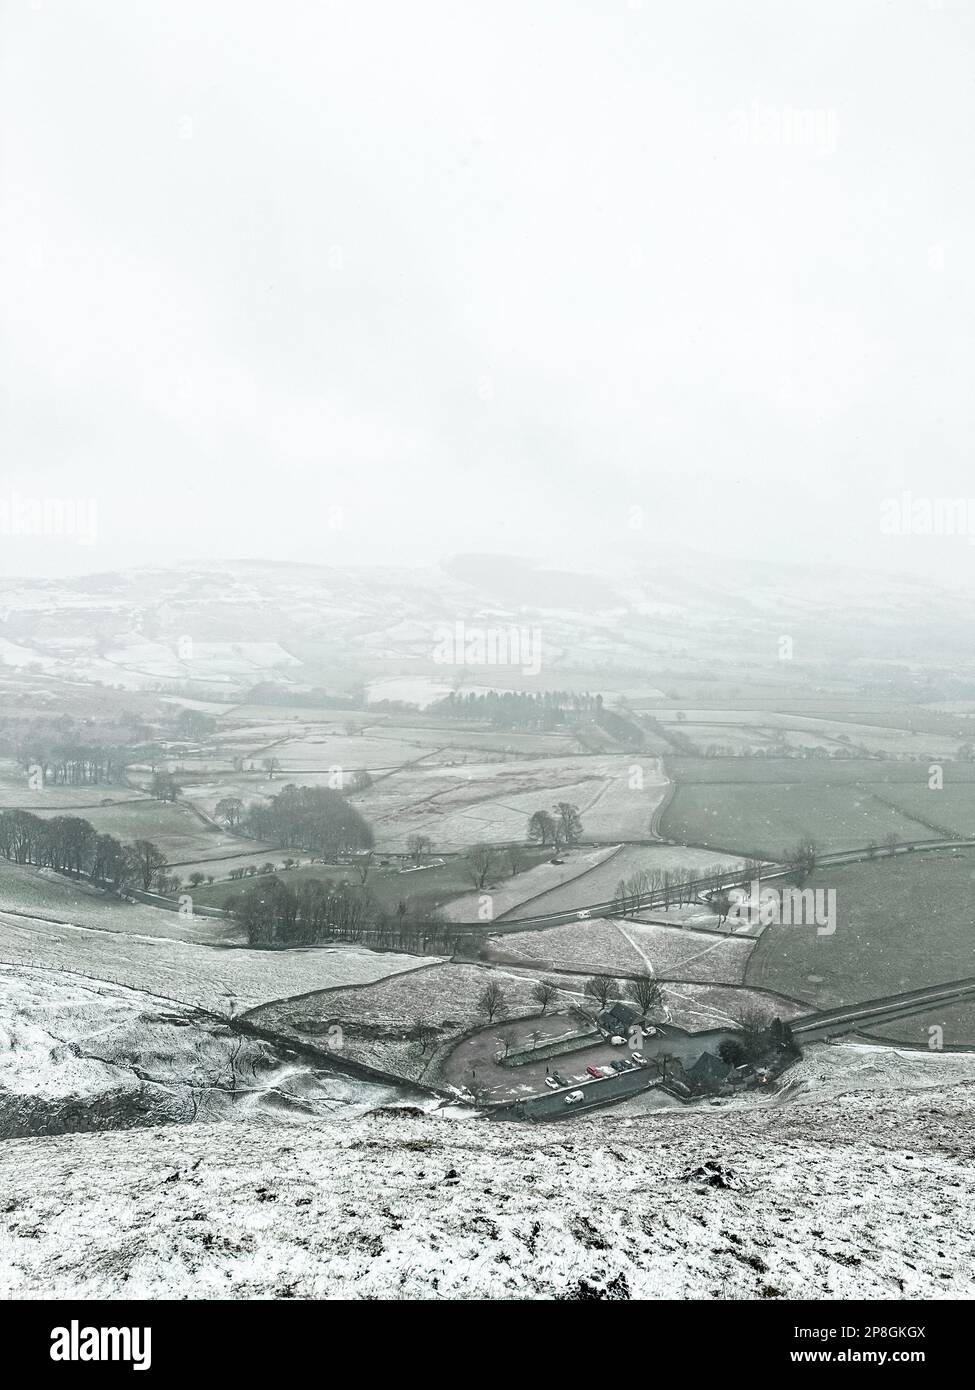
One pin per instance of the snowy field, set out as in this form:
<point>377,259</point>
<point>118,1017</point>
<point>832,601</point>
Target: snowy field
<point>625,947</point>
<point>601,884</point>
<point>493,802</point>
<point>43,893</point>
<point>821,1201</point>
<point>220,979</point>
<point>527,889</point>
<point>77,1054</point>
<point>378,1019</point>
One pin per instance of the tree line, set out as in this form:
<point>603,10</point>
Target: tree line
<point>68,753</point>
<point>71,844</point>
<point>316,911</point>
<point>513,709</point>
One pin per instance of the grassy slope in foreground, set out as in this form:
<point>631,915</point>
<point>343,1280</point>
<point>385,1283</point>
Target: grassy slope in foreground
<point>825,1202</point>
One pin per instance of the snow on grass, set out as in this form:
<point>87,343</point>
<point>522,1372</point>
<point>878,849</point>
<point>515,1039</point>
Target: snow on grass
<point>689,955</point>
<point>628,947</point>
<point>829,1070</point>
<point>41,892</point>
<point>379,1021</point>
<point>524,889</point>
<point>210,977</point>
<point>492,802</point>
<point>78,1054</point>
<point>698,1007</point>
<point>595,946</point>
<point>602,883</point>
<point>826,1201</point>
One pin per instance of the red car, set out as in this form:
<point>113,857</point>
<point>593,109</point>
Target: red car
<point>594,1071</point>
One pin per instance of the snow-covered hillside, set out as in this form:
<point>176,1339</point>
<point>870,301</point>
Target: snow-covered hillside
<point>87,1055</point>
<point>870,1196</point>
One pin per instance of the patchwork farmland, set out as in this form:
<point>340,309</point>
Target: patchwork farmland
<point>448,804</point>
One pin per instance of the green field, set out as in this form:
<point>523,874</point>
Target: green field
<point>765,806</point>
<point>951,810</point>
<point>901,923</point>
<point>819,772</point>
<point>956,1021</point>
<point>769,821</point>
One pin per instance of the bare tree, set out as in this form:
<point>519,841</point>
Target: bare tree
<point>418,847</point>
<point>645,992</point>
<point>362,865</point>
<point>492,1002</point>
<point>480,862</point>
<point>569,822</point>
<point>721,903</point>
<point>544,993</point>
<point>149,859</point>
<point>230,809</point>
<point>664,1062</point>
<point>602,988</point>
<point>753,1023</point>
<point>505,1040</point>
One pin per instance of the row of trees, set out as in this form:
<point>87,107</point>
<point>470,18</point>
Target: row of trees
<point>73,845</point>
<point>675,887</point>
<point>317,697</point>
<point>71,753</point>
<point>643,991</point>
<point>510,709</point>
<point>316,911</point>
<point>625,731</point>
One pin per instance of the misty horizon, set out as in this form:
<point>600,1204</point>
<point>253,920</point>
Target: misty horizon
<point>349,291</point>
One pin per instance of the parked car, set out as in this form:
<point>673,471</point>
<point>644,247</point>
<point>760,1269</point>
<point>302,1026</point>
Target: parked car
<point>573,1098</point>
<point>594,1071</point>
<point>650,1032</point>
<point>639,1057</point>
<point>620,1065</point>
<point>551,1081</point>
<point>617,1041</point>
<point>558,1077</point>
<point>607,1071</point>
<point>584,915</point>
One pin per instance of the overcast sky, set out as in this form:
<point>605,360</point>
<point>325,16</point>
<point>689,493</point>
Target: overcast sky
<point>386,281</point>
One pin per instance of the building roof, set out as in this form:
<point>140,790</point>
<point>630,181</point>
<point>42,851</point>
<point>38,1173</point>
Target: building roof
<point>619,1016</point>
<point>709,1068</point>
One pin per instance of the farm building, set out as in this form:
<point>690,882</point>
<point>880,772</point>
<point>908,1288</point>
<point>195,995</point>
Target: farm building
<point>618,1020</point>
